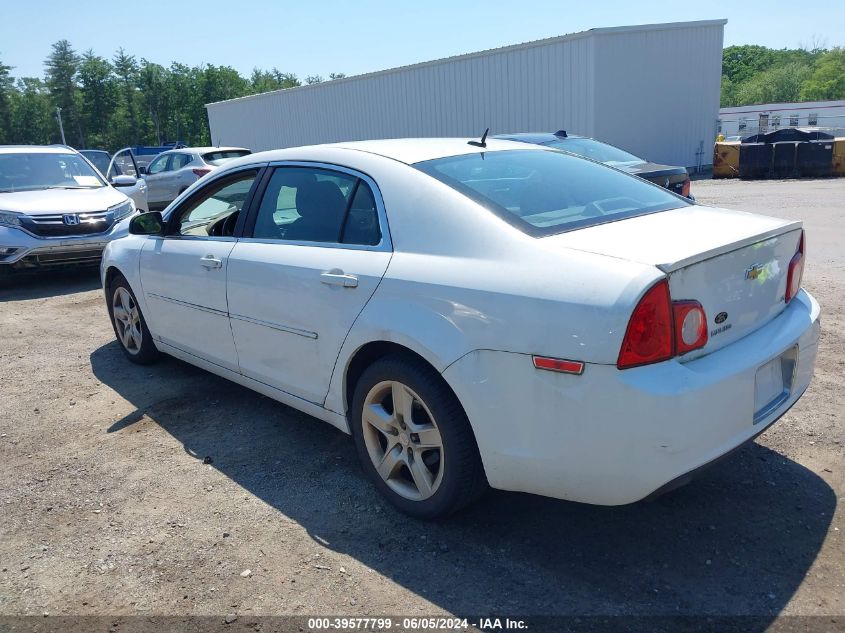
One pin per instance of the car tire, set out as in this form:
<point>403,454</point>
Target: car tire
<point>429,466</point>
<point>131,330</point>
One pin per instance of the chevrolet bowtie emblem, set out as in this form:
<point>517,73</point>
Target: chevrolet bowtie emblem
<point>752,272</point>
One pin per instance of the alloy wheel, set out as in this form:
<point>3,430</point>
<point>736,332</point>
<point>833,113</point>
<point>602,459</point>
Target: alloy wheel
<point>127,320</point>
<point>403,440</point>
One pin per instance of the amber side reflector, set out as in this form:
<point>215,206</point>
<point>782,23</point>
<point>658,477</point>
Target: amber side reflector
<point>559,365</point>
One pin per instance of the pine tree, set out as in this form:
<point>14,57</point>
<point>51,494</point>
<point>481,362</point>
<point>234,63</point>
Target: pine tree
<point>126,69</point>
<point>7,86</point>
<point>99,98</point>
<point>62,66</point>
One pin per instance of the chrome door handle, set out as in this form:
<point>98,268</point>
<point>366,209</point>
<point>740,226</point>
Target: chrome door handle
<point>211,262</point>
<point>339,278</point>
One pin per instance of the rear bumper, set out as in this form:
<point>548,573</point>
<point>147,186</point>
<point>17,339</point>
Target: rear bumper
<point>612,437</point>
<point>34,252</point>
<point>686,478</point>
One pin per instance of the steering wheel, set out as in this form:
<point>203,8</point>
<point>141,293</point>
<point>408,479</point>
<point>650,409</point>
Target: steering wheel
<point>228,228</point>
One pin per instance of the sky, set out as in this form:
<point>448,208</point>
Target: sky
<point>355,37</point>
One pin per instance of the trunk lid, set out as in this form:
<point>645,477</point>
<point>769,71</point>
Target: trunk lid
<point>666,176</point>
<point>734,263</point>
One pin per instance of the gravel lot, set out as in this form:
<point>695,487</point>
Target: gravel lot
<point>166,490</point>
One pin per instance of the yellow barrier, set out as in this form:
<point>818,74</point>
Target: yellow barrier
<point>839,156</point>
<point>726,159</point>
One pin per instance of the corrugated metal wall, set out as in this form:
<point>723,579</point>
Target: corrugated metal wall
<point>539,86</point>
<point>657,91</point>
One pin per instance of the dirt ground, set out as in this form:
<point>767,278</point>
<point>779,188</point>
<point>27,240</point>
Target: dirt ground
<point>166,490</point>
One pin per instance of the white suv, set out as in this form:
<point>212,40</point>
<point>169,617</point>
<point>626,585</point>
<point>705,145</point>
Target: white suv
<point>173,171</point>
<point>55,208</point>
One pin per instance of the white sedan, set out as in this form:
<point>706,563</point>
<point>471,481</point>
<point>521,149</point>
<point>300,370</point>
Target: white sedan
<point>478,314</point>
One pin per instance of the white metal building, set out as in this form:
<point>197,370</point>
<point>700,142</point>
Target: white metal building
<point>650,89</point>
<point>768,117</point>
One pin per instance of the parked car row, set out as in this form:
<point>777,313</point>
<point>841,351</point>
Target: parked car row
<point>152,183</point>
<point>60,207</point>
<point>522,313</point>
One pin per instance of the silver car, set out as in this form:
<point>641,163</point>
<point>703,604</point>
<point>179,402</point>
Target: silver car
<point>121,170</point>
<point>173,171</point>
<point>55,208</point>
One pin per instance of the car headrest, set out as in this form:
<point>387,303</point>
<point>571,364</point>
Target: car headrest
<point>320,202</point>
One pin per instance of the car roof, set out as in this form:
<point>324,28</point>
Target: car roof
<point>202,150</point>
<point>539,138</point>
<point>403,150</point>
<point>36,149</point>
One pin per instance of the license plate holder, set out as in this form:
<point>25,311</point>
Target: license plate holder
<point>773,383</point>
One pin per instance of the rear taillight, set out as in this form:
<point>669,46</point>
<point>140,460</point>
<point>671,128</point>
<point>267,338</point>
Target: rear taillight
<point>201,171</point>
<point>685,188</point>
<point>796,271</point>
<point>648,338</point>
<point>660,329</point>
<point>690,326</point>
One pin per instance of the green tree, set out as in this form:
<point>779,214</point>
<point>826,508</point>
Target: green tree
<point>118,102</point>
<point>154,80</point>
<point>61,69</point>
<point>32,114</point>
<point>269,80</point>
<point>740,63</point>
<point>828,78</point>
<point>182,87</point>
<point>126,70</point>
<point>7,88</point>
<point>217,83</point>
<point>775,85</point>
<point>99,98</point>
<point>728,93</point>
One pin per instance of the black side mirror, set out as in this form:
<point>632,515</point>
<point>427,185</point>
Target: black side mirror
<point>147,224</point>
<point>142,170</point>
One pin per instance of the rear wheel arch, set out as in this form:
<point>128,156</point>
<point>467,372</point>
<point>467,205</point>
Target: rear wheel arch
<point>368,354</point>
<point>373,351</point>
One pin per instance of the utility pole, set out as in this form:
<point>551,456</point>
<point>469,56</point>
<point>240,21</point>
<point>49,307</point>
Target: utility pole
<point>61,127</point>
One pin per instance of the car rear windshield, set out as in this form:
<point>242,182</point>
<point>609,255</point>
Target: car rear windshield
<point>222,156</point>
<point>543,192</point>
<point>596,150</point>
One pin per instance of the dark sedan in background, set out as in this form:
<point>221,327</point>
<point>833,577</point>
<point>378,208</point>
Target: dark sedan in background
<point>675,179</point>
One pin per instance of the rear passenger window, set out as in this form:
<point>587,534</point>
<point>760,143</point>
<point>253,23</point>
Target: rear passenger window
<point>304,204</point>
<point>179,161</point>
<point>362,221</point>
